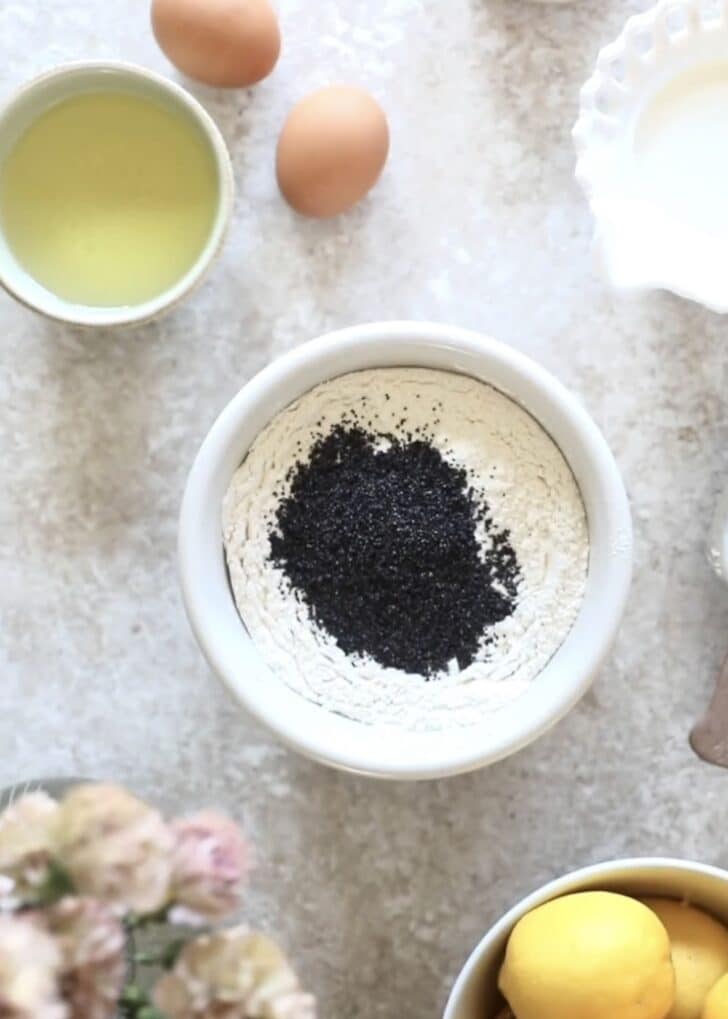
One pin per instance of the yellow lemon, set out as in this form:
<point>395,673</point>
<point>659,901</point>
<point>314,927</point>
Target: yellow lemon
<point>716,1004</point>
<point>591,955</point>
<point>699,953</point>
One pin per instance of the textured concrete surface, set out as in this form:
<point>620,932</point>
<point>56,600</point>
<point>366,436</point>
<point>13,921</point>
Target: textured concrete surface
<point>378,890</point>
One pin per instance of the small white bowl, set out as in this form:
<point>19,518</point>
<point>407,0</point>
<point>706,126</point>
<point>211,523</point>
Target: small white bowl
<point>475,994</point>
<point>30,102</point>
<point>387,752</point>
<point>655,209</point>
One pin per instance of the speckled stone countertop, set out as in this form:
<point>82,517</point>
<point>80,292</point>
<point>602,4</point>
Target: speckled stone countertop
<point>378,890</point>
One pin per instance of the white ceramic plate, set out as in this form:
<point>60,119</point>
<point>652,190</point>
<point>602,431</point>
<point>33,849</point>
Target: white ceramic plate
<point>381,751</point>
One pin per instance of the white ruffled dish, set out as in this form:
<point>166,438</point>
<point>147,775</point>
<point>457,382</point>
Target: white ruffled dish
<point>652,146</point>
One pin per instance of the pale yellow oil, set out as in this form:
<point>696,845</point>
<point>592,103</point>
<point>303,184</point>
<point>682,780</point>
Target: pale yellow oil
<point>109,198</point>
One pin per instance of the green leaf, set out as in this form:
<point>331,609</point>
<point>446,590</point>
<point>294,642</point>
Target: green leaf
<point>56,886</point>
<point>172,952</point>
<point>138,921</point>
<point>133,996</point>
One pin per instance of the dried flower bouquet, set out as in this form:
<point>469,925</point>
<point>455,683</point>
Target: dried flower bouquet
<point>84,879</point>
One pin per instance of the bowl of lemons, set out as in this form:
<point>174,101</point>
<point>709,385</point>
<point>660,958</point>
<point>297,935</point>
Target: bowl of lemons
<point>631,939</point>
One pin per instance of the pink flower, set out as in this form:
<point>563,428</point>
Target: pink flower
<point>29,967</point>
<point>93,964</point>
<point>210,865</point>
<point>26,847</point>
<point>297,1005</point>
<point>233,974</point>
<point>115,848</point>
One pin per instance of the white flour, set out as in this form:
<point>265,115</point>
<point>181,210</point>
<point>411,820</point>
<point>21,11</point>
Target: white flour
<point>530,491</point>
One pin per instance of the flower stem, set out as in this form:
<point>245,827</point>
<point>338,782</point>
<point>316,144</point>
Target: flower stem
<point>135,1004</point>
<point>166,958</point>
<point>148,958</point>
<point>136,921</point>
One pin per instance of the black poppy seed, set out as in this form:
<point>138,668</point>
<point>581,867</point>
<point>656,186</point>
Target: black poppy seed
<point>380,545</point>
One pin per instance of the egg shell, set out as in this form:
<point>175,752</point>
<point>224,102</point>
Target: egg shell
<point>332,150</point>
<point>224,43</point>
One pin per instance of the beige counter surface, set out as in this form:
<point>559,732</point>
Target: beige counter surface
<point>379,891</point>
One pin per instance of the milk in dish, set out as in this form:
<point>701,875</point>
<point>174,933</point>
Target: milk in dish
<point>681,147</point>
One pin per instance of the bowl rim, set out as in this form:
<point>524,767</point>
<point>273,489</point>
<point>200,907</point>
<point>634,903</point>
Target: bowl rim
<point>565,884</point>
<point>59,310</point>
<point>305,727</point>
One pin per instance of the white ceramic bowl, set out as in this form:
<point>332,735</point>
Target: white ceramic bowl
<point>475,995</point>
<point>330,738</point>
<point>30,102</point>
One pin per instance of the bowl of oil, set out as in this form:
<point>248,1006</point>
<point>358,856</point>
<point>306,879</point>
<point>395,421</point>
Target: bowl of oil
<point>116,190</point>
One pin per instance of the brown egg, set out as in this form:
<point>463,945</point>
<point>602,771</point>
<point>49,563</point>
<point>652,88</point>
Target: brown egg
<point>226,43</point>
<point>332,150</point>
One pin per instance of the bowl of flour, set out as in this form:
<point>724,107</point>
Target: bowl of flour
<point>406,549</point>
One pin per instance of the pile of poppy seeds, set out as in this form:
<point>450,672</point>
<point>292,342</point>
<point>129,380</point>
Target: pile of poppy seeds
<point>392,552</point>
